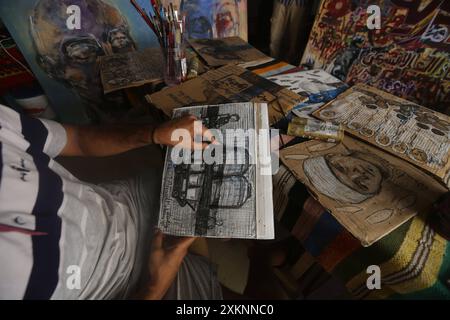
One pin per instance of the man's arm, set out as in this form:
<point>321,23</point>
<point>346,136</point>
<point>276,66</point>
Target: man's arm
<point>101,141</point>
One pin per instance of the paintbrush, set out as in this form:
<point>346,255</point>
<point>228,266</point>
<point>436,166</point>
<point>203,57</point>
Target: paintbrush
<point>143,14</point>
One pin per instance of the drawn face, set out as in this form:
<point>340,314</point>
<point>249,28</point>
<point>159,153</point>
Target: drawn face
<point>226,19</point>
<point>357,174</point>
<point>120,41</point>
<point>70,56</point>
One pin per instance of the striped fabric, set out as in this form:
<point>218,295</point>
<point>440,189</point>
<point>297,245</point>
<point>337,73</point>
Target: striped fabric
<point>414,260</point>
<point>32,223</point>
<point>271,68</point>
<point>51,222</point>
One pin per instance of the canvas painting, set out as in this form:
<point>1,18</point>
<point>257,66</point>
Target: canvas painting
<point>214,18</point>
<point>408,55</point>
<point>65,59</point>
<point>224,85</point>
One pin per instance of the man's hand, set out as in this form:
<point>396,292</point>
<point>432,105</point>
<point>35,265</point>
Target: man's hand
<point>108,140</point>
<point>199,135</point>
<point>166,256</point>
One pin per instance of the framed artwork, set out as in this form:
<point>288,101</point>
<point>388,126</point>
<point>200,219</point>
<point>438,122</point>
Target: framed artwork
<point>65,59</point>
<point>214,18</point>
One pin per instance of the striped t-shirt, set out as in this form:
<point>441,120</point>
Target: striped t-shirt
<point>60,238</point>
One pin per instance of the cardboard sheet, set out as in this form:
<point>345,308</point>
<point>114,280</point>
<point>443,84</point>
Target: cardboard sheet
<point>406,54</point>
<point>368,191</point>
<point>131,69</point>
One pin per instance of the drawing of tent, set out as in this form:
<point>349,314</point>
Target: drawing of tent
<point>205,187</point>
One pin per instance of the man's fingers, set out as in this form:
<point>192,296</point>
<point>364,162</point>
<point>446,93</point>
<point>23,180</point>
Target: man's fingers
<point>157,242</point>
<point>199,145</point>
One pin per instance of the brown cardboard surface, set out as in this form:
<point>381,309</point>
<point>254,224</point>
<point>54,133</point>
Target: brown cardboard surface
<point>219,52</point>
<point>131,69</point>
<point>195,64</point>
<point>370,192</point>
<point>224,85</point>
<point>414,133</point>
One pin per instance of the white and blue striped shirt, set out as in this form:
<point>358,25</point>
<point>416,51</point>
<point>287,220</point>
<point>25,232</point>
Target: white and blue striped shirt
<point>51,223</point>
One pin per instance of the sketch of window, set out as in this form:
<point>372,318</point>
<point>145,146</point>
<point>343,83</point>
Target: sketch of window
<point>217,199</point>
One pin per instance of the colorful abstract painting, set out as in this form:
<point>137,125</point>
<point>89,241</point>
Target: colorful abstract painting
<point>64,59</point>
<point>409,56</point>
<point>214,18</point>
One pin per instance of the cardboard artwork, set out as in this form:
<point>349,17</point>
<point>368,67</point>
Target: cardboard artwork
<point>227,84</point>
<point>406,56</point>
<point>407,130</point>
<point>219,52</point>
<point>132,69</point>
<point>213,18</point>
<point>317,85</point>
<point>370,192</point>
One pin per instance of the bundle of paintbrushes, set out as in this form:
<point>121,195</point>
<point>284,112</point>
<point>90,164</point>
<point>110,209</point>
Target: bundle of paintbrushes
<point>168,24</point>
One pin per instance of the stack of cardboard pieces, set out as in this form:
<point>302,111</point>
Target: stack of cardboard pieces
<point>392,164</point>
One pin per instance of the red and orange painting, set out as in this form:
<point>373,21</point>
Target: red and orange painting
<point>409,56</point>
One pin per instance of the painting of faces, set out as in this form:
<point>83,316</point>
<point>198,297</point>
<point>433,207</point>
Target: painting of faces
<point>406,54</point>
<point>64,58</point>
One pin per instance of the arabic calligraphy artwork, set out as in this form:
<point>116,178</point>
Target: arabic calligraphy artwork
<point>408,57</point>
